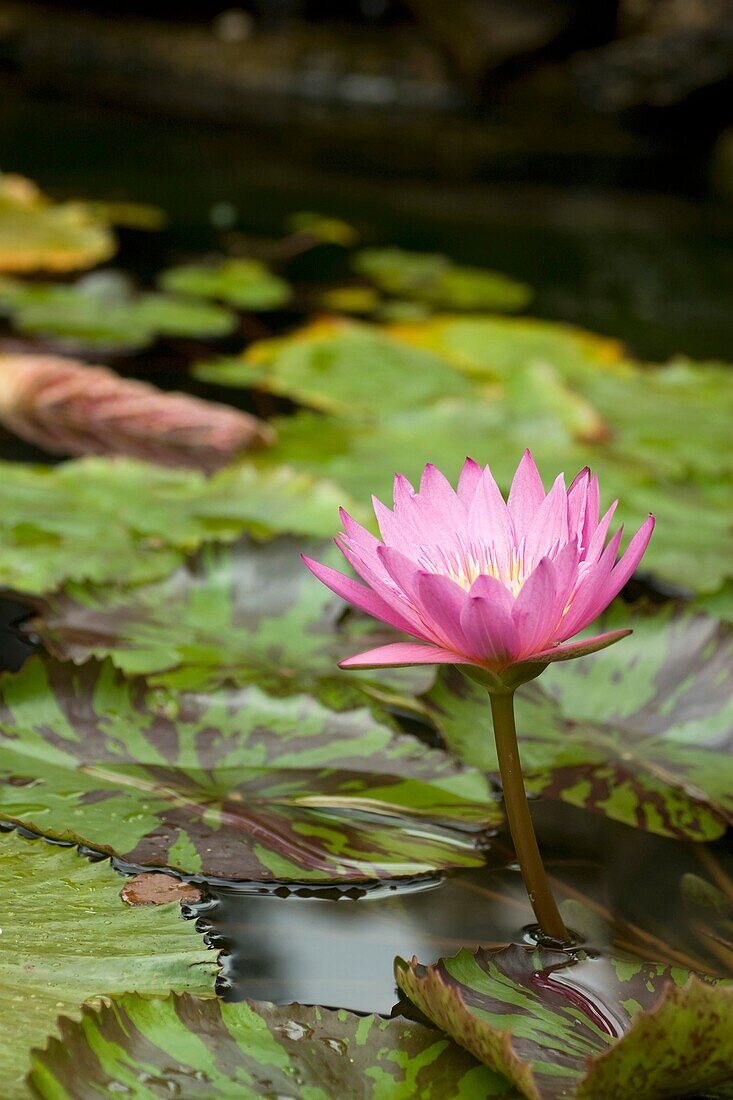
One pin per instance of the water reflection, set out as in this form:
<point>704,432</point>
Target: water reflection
<point>319,950</point>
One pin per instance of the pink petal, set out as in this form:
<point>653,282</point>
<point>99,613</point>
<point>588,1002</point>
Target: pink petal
<point>440,602</point>
<point>401,569</point>
<point>403,493</point>
<point>592,511</point>
<point>468,481</point>
<point>526,494</point>
<point>356,534</point>
<point>490,633</point>
<point>594,546</point>
<point>588,599</point>
<point>371,568</point>
<point>537,610</point>
<point>549,526</point>
<point>397,531</point>
<point>580,648</point>
<point>359,596</point>
<point>488,516</point>
<point>623,569</point>
<point>577,499</point>
<point>403,653</point>
<point>489,588</point>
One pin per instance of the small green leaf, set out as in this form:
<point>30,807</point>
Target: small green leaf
<point>190,1047</point>
<point>244,284</point>
<point>100,313</point>
<point>237,784</point>
<point>430,277</point>
<point>562,1027</point>
<point>641,732</point>
<point>66,937</point>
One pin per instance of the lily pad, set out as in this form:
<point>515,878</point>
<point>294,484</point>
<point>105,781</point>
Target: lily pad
<point>323,228</point>
<point>201,1048</point>
<point>122,521</point>
<point>37,234</point>
<point>433,278</point>
<point>642,732</point>
<point>67,936</point>
<point>234,614</point>
<point>493,348</point>
<point>244,284</point>
<point>236,784</point>
<point>101,313</point>
<point>564,1028</point>
<point>341,366</point>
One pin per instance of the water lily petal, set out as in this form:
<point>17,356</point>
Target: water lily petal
<point>441,601</point>
<point>468,481</point>
<point>491,635</point>
<point>403,653</point>
<point>489,517</point>
<point>359,596</point>
<point>493,590</point>
<point>526,494</point>
<point>549,526</point>
<point>576,649</point>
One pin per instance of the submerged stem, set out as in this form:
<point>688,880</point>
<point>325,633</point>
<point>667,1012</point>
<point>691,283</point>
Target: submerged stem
<point>520,820</point>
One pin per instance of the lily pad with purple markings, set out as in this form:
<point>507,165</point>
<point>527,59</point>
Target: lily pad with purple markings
<point>642,732</point>
<point>247,612</point>
<point>235,784</point>
<point>67,936</point>
<point>202,1049</point>
<point>565,1028</point>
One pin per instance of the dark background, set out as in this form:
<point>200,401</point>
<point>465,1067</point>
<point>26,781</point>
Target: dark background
<point>584,147</point>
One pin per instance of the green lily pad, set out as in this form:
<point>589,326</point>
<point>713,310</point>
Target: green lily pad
<point>234,614</point>
<point>589,1027</point>
<point>67,936</point>
<point>201,1048</point>
<point>244,284</point>
<point>642,732</point>
<point>100,313</point>
<point>236,784</point>
<point>433,278</point>
<point>39,235</point>
<point>341,366</point>
<point>123,521</point>
<point>322,228</point>
<point>493,348</point>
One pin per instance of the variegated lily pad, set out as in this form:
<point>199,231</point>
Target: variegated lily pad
<point>236,784</point>
<point>250,612</point>
<point>642,732</point>
<point>118,520</point>
<point>205,1050</point>
<point>39,235</point>
<point>563,1028</point>
<point>67,936</point>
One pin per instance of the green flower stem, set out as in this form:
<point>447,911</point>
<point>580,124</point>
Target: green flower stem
<point>520,820</point>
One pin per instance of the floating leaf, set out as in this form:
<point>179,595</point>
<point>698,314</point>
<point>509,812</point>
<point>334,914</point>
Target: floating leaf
<point>322,228</point>
<point>493,348</point>
<point>100,313</point>
<point>642,732</point>
<point>243,613</point>
<point>236,784</point>
<point>39,235</point>
<point>116,520</point>
<point>341,366</point>
<point>244,284</point>
<point>66,936</point>
<point>70,408</point>
<point>430,277</point>
<point>586,1027</point>
<point>191,1046</point>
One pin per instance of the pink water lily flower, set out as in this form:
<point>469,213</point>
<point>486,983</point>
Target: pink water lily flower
<point>480,581</point>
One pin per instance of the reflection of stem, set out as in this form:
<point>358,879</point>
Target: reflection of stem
<point>664,952</point>
<point>520,820</point>
<point>713,868</point>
